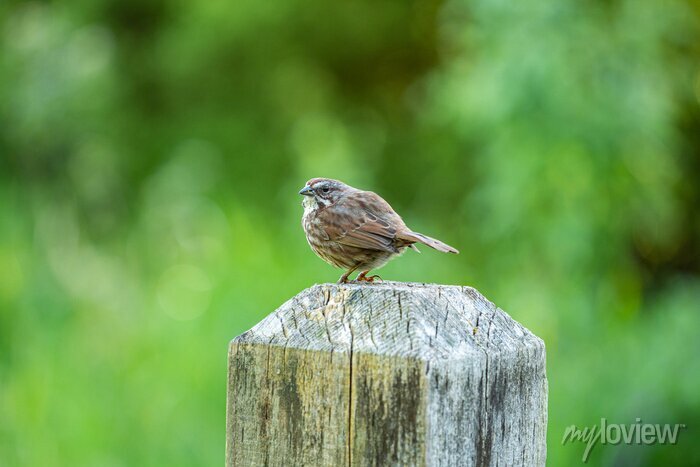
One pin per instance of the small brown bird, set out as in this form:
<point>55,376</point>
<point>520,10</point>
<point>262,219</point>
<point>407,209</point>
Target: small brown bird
<point>354,229</point>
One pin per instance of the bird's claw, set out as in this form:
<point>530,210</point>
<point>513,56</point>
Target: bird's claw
<point>369,279</point>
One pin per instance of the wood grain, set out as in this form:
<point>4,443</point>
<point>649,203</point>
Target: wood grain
<point>387,374</point>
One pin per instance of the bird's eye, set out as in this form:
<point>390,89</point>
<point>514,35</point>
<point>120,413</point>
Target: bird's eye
<point>325,189</point>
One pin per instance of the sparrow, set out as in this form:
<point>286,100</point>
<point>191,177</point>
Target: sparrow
<point>354,229</point>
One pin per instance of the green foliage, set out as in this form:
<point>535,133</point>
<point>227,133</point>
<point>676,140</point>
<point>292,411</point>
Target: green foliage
<point>151,151</point>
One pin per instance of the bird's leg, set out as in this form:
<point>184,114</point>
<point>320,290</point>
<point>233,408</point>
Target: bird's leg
<point>362,277</point>
<point>344,278</point>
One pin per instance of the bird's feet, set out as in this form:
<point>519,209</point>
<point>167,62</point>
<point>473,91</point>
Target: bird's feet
<point>343,279</point>
<point>362,277</point>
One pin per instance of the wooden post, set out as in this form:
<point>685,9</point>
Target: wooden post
<point>387,374</point>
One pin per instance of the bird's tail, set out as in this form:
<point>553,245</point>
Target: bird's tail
<point>425,240</point>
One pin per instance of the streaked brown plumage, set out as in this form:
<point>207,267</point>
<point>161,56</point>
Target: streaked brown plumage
<point>354,229</point>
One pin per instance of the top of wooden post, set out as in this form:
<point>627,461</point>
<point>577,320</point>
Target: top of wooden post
<point>425,321</point>
<point>387,373</point>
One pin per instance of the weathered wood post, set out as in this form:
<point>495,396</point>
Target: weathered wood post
<point>387,374</point>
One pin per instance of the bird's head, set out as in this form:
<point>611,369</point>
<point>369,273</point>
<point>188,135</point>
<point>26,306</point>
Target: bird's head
<point>324,191</point>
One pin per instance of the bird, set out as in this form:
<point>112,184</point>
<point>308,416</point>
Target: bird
<point>354,229</point>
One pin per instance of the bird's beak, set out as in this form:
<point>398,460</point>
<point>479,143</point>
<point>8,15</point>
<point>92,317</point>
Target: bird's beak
<point>306,191</point>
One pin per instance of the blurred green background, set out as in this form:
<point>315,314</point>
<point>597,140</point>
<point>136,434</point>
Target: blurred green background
<point>150,158</point>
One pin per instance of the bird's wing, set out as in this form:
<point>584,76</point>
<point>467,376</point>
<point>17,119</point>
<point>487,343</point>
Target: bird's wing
<point>363,220</point>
